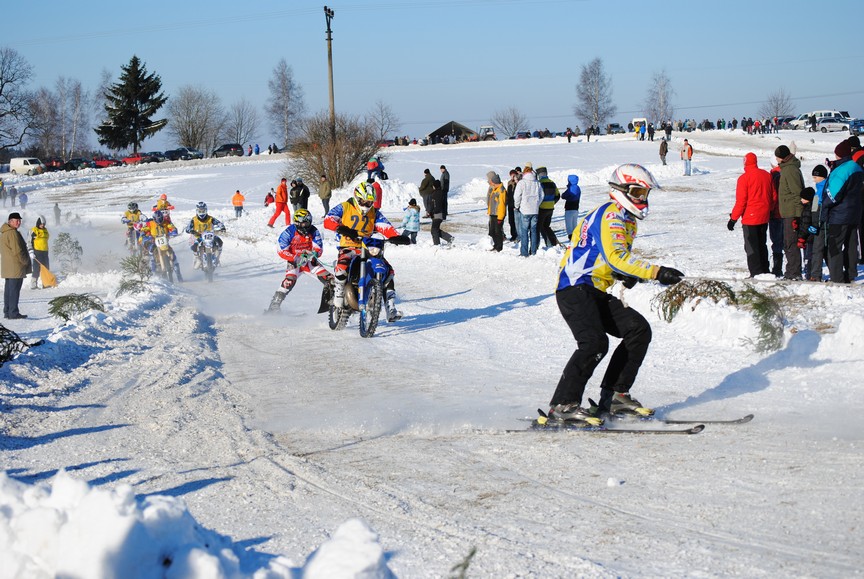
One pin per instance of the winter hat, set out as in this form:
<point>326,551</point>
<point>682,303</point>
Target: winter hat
<point>284,179</point>
<point>527,167</point>
<point>854,142</point>
<point>14,216</point>
<point>820,171</point>
<point>40,222</point>
<point>782,152</point>
<point>541,171</point>
<point>426,172</point>
<point>493,177</point>
<point>843,150</point>
<point>856,156</point>
<point>807,193</point>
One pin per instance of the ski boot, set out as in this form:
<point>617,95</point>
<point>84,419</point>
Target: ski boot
<point>573,414</point>
<point>276,302</point>
<point>622,404</point>
<point>338,294</point>
<point>392,313</point>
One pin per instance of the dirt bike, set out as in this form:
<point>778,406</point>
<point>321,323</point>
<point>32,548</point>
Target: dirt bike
<point>368,275</point>
<point>207,253</point>
<point>163,254</point>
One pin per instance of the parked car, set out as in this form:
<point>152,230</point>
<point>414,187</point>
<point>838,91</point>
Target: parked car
<point>831,124</point>
<point>102,162</point>
<point>138,158</point>
<point>228,150</point>
<point>614,129</point>
<point>523,135</point>
<point>175,155</point>
<point>77,163</point>
<point>54,164</point>
<point>190,152</point>
<point>157,156</point>
<point>856,127</point>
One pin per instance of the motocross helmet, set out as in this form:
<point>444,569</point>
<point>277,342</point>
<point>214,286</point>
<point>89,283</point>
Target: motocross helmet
<point>159,217</point>
<point>630,187</point>
<point>374,244</point>
<point>201,210</point>
<point>302,220</point>
<point>132,206</point>
<point>364,195</point>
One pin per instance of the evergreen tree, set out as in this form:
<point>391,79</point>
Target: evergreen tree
<point>130,104</point>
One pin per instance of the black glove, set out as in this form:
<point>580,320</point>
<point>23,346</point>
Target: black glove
<point>731,225</point>
<point>348,232</point>
<point>669,275</point>
<point>400,240</point>
<point>629,281</point>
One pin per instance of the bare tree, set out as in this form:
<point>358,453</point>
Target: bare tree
<point>383,119</point>
<point>779,104</point>
<point>316,153</point>
<point>241,123</point>
<point>594,95</point>
<point>16,113</point>
<point>658,102</point>
<point>196,117</point>
<point>509,121</point>
<point>73,114</point>
<point>99,100</point>
<point>285,107</point>
<point>45,108</point>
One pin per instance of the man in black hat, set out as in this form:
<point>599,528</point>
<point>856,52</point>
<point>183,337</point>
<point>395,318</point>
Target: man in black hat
<point>14,265</point>
<point>789,203</point>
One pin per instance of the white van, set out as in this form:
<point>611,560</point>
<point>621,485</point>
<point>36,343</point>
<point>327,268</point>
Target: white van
<point>26,166</point>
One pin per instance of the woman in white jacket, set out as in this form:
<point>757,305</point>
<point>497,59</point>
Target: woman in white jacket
<point>527,197</point>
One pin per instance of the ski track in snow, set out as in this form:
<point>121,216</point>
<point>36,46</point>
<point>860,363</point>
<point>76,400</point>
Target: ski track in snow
<point>275,430</point>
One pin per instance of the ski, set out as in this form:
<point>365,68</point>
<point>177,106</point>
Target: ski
<point>564,427</point>
<point>659,420</point>
<point>542,423</point>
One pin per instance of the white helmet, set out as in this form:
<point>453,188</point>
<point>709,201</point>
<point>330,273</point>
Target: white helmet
<point>630,187</point>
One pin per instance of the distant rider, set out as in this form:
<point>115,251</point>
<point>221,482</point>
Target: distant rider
<point>199,224</point>
<point>153,228</point>
<point>131,216</point>
<point>300,245</point>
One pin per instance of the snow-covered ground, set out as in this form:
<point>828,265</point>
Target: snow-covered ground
<point>201,438</point>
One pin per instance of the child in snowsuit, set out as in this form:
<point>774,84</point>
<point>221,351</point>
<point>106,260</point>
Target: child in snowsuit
<point>411,221</point>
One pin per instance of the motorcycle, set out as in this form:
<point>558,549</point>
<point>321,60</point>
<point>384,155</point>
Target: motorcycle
<point>368,274</point>
<point>207,253</point>
<point>165,259</point>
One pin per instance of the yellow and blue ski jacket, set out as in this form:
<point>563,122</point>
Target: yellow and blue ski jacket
<point>600,248</point>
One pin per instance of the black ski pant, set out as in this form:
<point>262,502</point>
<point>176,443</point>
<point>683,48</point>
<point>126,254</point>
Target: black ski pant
<point>756,248</point>
<point>544,224</point>
<point>841,253</point>
<point>511,218</point>
<point>496,232</point>
<point>591,315</point>
<point>791,249</point>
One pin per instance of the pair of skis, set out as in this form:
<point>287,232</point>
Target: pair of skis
<point>543,424</point>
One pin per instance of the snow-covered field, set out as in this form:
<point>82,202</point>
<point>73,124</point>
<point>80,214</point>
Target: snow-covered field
<point>183,433</point>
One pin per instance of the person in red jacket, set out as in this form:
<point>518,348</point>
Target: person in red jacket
<point>754,200</point>
<point>281,203</point>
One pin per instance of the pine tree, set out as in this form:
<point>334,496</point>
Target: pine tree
<point>130,104</point>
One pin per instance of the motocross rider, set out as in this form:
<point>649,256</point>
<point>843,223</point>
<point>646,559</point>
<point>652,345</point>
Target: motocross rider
<point>150,229</point>
<point>353,220</point>
<point>131,216</point>
<point>199,224</point>
<point>300,245</point>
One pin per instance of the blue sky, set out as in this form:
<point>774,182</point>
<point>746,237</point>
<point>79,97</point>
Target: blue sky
<point>435,61</point>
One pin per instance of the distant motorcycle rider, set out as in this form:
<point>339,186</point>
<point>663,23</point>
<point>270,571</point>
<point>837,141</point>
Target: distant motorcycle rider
<point>151,229</point>
<point>199,224</point>
<point>353,220</point>
<point>131,216</point>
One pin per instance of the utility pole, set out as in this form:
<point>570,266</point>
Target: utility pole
<point>328,14</point>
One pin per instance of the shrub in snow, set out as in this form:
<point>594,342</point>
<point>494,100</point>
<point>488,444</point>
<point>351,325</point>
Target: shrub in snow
<point>11,344</point>
<point>69,252</point>
<point>65,307</point>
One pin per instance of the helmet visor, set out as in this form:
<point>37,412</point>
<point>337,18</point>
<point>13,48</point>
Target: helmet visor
<point>638,193</point>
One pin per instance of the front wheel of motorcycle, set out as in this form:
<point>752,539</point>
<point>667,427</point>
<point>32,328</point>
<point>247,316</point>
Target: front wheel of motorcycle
<point>370,314</point>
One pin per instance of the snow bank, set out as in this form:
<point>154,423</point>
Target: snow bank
<point>66,528</point>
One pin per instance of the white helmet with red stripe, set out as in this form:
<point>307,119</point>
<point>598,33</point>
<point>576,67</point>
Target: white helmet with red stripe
<point>631,184</point>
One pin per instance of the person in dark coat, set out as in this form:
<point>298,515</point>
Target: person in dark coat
<point>445,187</point>
<point>789,202</point>
<point>664,149</point>
<point>425,190</point>
<point>511,207</point>
<point>436,206</point>
<point>841,212</point>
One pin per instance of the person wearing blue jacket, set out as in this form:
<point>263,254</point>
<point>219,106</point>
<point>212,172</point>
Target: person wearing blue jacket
<point>841,213</point>
<point>571,195</point>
